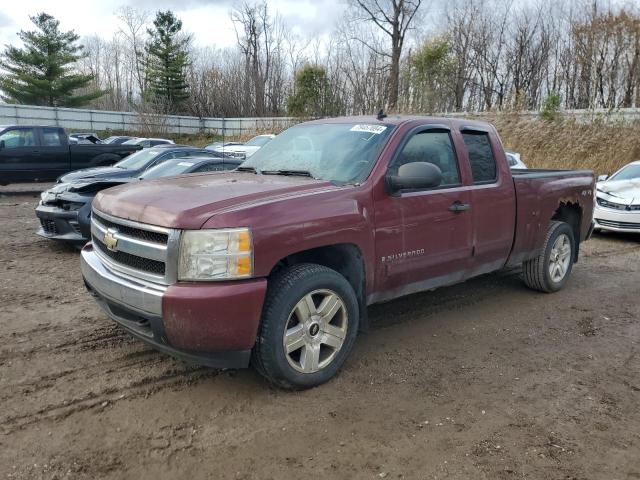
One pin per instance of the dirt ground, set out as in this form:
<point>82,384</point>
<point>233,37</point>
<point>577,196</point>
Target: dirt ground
<point>485,380</point>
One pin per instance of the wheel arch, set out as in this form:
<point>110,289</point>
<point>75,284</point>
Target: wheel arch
<point>570,213</point>
<point>345,258</point>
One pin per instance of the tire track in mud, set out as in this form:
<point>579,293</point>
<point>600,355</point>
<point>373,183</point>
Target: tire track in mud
<point>92,339</point>
<point>171,378</point>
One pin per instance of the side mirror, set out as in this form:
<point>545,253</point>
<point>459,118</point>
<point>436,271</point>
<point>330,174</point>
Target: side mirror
<point>1,144</point>
<point>415,175</point>
<point>602,178</point>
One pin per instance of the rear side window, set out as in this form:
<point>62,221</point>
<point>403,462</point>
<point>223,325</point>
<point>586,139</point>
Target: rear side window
<point>483,163</point>
<point>51,137</point>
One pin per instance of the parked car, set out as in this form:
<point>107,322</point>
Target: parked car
<point>245,150</point>
<point>116,139</point>
<point>148,142</point>
<point>85,138</point>
<point>64,210</point>
<point>618,200</point>
<point>135,164</point>
<point>514,160</point>
<point>219,145</point>
<point>277,261</point>
<point>30,153</point>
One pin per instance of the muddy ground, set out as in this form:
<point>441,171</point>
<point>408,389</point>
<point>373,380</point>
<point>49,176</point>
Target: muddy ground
<point>485,380</point>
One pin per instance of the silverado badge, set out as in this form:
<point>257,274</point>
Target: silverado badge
<point>110,239</point>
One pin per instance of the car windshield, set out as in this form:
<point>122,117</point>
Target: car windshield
<point>259,141</point>
<point>337,152</point>
<point>133,141</point>
<point>139,159</point>
<point>168,169</point>
<point>630,172</point>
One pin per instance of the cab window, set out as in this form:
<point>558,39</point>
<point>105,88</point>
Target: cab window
<point>483,163</point>
<point>431,147</point>
<point>18,137</point>
<point>51,137</point>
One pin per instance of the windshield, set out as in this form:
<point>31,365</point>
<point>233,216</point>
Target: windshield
<point>167,169</point>
<point>133,141</point>
<point>337,152</point>
<point>630,172</point>
<point>139,159</point>
<point>259,141</point>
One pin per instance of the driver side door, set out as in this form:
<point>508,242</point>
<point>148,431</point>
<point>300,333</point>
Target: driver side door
<point>424,236</point>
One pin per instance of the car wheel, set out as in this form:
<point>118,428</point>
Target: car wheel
<point>309,325</point>
<point>550,270</point>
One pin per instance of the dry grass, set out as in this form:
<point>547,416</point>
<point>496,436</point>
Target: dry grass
<point>599,146</point>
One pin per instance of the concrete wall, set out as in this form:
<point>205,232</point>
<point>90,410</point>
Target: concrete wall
<point>93,120</point>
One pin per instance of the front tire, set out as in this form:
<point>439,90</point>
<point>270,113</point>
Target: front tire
<point>550,270</point>
<point>309,325</point>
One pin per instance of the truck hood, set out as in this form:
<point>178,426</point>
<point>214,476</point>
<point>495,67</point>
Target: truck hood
<point>622,191</point>
<point>97,172</point>
<point>187,202</point>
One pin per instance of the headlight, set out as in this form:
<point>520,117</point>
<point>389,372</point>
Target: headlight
<point>223,254</point>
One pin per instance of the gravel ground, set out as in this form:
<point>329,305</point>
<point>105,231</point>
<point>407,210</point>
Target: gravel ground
<point>485,380</point>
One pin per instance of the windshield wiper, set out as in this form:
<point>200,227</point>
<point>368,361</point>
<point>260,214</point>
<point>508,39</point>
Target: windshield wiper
<point>293,173</point>
<point>247,169</point>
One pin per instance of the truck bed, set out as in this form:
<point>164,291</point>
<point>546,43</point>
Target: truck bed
<point>539,194</point>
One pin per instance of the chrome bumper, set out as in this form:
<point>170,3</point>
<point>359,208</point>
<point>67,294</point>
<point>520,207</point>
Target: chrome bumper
<point>142,297</point>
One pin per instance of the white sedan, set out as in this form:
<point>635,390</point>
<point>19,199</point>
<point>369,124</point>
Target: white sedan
<point>618,200</point>
<point>245,150</point>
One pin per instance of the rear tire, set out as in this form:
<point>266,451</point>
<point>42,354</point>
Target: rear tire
<point>550,270</point>
<point>309,325</point>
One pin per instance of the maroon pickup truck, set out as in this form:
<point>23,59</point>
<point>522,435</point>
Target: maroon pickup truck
<point>274,264</point>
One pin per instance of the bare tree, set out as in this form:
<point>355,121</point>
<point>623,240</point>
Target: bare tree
<point>394,18</point>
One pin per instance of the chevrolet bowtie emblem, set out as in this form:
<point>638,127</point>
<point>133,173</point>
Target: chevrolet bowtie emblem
<point>110,239</point>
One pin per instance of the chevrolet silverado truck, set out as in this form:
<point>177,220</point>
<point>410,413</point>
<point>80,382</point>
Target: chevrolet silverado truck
<point>274,264</point>
<point>39,154</point>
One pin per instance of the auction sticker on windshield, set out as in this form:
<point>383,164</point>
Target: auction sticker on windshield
<point>377,129</point>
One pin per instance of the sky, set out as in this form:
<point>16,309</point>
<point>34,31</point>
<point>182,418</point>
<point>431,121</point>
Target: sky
<point>207,20</point>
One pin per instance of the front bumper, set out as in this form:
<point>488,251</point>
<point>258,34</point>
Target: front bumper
<point>70,226</point>
<point>208,324</point>
<point>616,220</point>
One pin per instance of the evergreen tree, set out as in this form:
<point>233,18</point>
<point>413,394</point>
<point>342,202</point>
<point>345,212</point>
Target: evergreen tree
<point>42,72</point>
<point>313,96</point>
<point>167,60</point>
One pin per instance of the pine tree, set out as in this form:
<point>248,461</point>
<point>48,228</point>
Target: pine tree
<point>313,96</point>
<point>42,72</point>
<point>167,60</point>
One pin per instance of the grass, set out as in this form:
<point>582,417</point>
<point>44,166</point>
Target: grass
<point>600,146</point>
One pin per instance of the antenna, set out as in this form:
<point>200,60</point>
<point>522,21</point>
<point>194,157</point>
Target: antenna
<point>381,115</point>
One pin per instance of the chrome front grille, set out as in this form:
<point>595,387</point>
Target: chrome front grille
<point>147,252</point>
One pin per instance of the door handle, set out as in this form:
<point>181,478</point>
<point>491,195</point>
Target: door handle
<point>458,207</point>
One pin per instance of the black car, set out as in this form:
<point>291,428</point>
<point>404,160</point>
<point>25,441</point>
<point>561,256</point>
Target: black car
<point>65,209</point>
